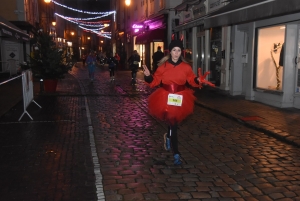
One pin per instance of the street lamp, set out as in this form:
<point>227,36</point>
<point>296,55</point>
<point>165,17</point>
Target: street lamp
<point>127,30</point>
<point>127,2</point>
<point>48,15</point>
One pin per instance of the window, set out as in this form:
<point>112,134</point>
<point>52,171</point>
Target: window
<point>269,64</point>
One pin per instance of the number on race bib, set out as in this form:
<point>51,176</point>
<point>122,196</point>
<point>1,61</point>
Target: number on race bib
<point>175,99</point>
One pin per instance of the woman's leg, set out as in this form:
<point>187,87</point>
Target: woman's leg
<point>174,139</point>
<point>112,74</point>
<point>174,144</point>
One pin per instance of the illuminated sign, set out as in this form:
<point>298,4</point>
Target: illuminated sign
<point>137,27</point>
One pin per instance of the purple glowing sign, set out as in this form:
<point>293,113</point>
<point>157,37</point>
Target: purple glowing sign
<point>137,27</point>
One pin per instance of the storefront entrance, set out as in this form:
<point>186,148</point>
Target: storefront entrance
<point>215,55</point>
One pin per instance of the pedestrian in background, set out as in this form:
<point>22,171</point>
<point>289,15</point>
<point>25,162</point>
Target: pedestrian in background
<point>172,102</point>
<point>111,61</point>
<point>157,56</point>
<point>117,60</point>
<point>83,59</point>
<point>91,63</point>
<point>133,61</point>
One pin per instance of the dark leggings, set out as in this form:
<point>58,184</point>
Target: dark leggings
<point>173,137</point>
<point>133,74</point>
<point>112,72</point>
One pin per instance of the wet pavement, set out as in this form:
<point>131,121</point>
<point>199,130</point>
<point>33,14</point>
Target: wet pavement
<point>96,141</point>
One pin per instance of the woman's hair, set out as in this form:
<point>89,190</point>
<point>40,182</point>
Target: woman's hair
<point>167,57</point>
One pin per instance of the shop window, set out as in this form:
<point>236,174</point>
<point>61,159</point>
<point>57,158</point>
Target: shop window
<point>269,64</point>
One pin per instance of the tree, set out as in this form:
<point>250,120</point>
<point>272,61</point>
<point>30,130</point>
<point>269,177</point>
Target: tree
<point>47,61</point>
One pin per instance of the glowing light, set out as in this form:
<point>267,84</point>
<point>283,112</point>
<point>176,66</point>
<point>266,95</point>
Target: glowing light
<point>82,11</point>
<point>137,26</point>
<point>127,2</point>
<point>76,21</point>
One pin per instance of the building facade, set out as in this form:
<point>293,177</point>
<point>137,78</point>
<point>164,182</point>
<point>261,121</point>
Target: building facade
<point>263,50</point>
<point>16,22</point>
<point>251,48</point>
<point>143,25</point>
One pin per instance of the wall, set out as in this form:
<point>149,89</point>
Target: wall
<point>7,9</point>
<point>236,73</point>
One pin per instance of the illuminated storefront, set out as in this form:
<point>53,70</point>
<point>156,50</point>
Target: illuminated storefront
<point>200,48</point>
<point>263,43</point>
<point>152,35</point>
<point>269,62</point>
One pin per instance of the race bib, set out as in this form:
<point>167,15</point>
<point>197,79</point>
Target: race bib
<point>175,99</point>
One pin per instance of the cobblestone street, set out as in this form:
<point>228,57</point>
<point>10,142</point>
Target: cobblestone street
<point>96,141</point>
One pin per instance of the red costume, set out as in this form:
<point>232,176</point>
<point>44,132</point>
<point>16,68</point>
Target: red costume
<point>173,78</point>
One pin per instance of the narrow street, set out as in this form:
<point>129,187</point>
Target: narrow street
<point>96,141</point>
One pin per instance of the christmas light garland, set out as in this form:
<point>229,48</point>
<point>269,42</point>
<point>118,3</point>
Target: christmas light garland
<point>101,28</point>
<point>87,12</point>
<point>83,22</point>
<point>82,11</point>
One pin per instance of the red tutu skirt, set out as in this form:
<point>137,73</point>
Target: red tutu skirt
<point>159,108</point>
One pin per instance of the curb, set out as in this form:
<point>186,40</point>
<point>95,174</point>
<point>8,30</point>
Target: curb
<point>249,125</point>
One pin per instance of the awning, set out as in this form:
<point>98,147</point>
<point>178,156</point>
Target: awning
<point>157,35</point>
<point>9,30</point>
<point>243,11</point>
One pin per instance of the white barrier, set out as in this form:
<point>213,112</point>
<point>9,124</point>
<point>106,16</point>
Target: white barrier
<point>27,86</point>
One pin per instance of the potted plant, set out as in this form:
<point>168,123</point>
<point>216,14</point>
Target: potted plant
<point>47,61</point>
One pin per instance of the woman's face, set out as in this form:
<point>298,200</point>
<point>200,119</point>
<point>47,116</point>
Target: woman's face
<point>175,54</point>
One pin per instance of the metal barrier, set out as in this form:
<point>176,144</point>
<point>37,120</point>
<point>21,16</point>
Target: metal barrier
<point>6,81</point>
<point>27,86</point>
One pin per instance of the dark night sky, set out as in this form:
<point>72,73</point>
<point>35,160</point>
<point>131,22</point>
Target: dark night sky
<point>99,5</point>
<point>90,5</point>
<point>87,5</point>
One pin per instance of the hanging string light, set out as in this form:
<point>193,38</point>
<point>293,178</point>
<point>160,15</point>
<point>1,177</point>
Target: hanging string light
<point>81,25</point>
<point>87,12</point>
<point>83,22</point>
<point>90,18</point>
<point>79,22</point>
<point>101,28</point>
<point>80,19</point>
<point>82,11</point>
